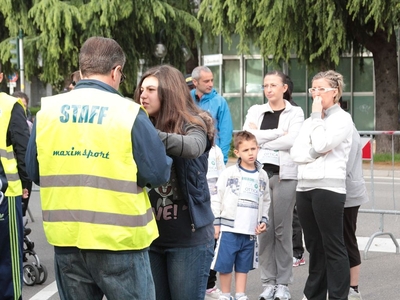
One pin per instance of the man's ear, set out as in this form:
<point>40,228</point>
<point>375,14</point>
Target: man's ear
<point>236,153</point>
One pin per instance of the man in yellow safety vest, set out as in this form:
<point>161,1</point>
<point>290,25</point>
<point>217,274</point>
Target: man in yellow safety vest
<point>14,136</point>
<point>93,152</point>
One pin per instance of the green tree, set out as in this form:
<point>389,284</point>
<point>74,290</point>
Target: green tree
<point>55,31</point>
<point>318,32</point>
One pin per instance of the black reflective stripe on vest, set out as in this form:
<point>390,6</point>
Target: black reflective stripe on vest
<point>94,217</point>
<point>7,154</point>
<point>116,185</point>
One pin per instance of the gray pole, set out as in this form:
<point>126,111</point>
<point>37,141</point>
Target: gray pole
<point>21,59</point>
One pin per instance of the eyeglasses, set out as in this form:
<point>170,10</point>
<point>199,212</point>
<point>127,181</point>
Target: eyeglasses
<point>272,86</point>
<point>320,90</point>
<point>123,76</point>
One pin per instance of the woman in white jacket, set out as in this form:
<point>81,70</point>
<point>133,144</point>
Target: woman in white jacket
<point>322,149</point>
<point>276,125</point>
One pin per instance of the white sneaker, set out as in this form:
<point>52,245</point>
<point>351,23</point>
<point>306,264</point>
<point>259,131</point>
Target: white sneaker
<point>353,295</point>
<point>213,293</point>
<point>242,298</point>
<point>268,293</point>
<point>299,261</point>
<point>282,292</point>
<point>304,298</point>
<point>225,298</point>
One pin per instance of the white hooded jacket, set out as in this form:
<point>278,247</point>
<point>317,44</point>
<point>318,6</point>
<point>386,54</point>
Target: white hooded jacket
<point>281,138</point>
<point>322,149</point>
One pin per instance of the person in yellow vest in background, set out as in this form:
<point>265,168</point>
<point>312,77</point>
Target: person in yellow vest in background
<point>14,136</point>
<point>93,152</point>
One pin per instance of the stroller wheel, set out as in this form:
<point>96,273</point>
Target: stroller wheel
<point>31,274</point>
<point>42,274</point>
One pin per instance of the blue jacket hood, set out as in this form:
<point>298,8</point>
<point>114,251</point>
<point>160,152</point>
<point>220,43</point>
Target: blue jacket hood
<point>217,106</point>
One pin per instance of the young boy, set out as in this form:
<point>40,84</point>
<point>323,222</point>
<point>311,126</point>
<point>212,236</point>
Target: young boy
<point>241,213</point>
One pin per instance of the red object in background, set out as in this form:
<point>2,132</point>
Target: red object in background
<point>13,77</point>
<point>366,148</point>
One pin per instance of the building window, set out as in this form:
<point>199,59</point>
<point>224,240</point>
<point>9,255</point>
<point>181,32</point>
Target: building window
<point>232,75</point>
<point>363,112</point>
<point>363,79</point>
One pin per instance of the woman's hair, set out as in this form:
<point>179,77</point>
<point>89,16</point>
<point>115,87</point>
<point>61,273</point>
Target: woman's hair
<point>277,73</point>
<point>177,108</point>
<point>334,79</point>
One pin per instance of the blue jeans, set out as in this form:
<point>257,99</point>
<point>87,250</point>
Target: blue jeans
<point>181,273</point>
<point>92,274</point>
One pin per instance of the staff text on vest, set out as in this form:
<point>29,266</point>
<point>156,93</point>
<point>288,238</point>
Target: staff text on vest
<point>83,113</point>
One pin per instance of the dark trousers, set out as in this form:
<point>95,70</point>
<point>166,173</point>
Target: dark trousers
<point>297,237</point>
<point>349,234</point>
<point>321,216</point>
<point>11,241</point>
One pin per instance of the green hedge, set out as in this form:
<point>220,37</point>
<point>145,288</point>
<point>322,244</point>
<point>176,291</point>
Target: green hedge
<point>386,157</point>
<point>34,110</point>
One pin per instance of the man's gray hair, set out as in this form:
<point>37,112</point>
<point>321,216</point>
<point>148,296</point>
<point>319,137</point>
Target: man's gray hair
<point>99,55</point>
<point>197,70</point>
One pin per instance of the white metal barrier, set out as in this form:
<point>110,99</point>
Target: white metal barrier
<point>382,213</point>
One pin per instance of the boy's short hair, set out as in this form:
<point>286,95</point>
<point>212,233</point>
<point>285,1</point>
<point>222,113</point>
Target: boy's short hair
<point>241,136</point>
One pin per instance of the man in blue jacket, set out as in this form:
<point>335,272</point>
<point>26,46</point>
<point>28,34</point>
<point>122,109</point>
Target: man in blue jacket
<point>209,100</point>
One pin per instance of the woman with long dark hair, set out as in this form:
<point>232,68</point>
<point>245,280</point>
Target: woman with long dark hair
<point>181,256</point>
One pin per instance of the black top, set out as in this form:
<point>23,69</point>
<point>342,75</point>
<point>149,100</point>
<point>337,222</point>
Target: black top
<point>18,137</point>
<point>271,121</point>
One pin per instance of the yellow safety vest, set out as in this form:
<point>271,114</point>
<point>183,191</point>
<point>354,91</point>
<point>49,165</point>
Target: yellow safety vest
<point>90,198</point>
<point>7,152</point>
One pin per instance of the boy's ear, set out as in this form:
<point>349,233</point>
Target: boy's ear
<point>236,153</point>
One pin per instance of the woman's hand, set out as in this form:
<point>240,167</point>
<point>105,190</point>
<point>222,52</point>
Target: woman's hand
<point>317,104</point>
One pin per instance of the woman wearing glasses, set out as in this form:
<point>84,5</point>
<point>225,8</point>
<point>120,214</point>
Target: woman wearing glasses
<point>276,125</point>
<point>322,149</point>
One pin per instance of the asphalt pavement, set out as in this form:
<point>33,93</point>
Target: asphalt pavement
<point>380,272</point>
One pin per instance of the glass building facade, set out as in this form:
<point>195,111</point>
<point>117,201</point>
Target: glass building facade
<point>239,80</point>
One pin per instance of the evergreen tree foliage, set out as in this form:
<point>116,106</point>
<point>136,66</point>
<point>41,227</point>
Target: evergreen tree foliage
<point>55,31</point>
<point>318,32</point>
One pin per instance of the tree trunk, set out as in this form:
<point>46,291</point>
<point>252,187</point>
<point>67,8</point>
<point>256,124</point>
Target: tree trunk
<point>386,88</point>
<point>193,62</point>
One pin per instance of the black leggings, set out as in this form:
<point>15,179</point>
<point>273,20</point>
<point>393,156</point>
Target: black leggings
<point>321,216</point>
<point>349,234</point>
